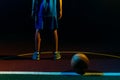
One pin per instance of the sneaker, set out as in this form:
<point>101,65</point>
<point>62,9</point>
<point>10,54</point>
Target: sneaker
<point>36,56</point>
<point>57,55</point>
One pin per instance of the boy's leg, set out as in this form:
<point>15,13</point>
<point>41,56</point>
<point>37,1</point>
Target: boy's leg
<point>56,40</point>
<point>37,40</point>
<point>36,55</point>
<point>56,53</point>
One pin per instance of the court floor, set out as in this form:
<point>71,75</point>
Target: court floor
<point>100,64</point>
<point>17,64</point>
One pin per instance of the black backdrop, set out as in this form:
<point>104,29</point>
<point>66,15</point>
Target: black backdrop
<point>83,22</point>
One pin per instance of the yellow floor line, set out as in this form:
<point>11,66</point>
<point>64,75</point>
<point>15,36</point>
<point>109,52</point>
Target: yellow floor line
<point>92,53</point>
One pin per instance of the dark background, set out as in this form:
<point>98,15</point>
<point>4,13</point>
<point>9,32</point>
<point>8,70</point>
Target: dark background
<point>86,24</point>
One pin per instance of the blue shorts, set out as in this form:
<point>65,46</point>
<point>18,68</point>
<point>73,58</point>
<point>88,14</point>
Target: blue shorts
<point>46,23</point>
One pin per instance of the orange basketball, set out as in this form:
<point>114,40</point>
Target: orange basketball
<point>79,63</point>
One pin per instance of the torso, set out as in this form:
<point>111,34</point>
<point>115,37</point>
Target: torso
<point>48,7</point>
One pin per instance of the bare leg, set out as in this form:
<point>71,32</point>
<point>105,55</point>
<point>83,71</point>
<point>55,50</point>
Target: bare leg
<point>36,55</point>
<point>37,40</point>
<point>56,54</point>
<point>56,40</point>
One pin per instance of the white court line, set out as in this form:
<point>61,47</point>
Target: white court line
<point>38,73</point>
<point>59,73</point>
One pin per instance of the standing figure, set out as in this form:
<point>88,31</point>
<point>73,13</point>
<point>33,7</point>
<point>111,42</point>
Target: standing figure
<point>45,15</point>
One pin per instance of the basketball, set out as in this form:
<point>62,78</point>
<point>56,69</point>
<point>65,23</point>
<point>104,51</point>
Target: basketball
<point>79,63</point>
